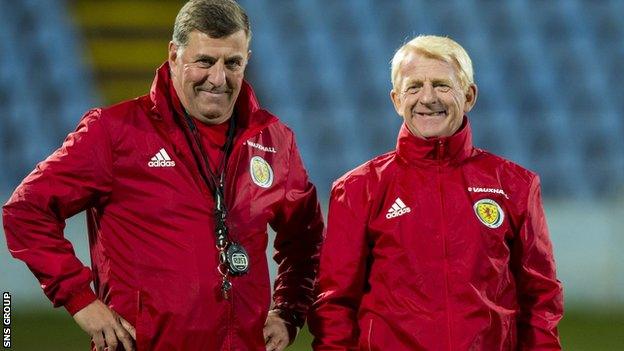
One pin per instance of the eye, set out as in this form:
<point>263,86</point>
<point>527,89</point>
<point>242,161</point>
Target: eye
<point>412,89</point>
<point>234,65</point>
<point>204,62</point>
<point>444,88</point>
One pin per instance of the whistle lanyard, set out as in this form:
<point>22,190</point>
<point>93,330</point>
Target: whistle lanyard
<point>233,259</point>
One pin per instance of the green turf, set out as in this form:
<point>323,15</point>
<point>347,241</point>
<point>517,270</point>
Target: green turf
<point>581,330</point>
<point>56,331</point>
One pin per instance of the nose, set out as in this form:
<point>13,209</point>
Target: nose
<point>428,95</point>
<point>216,75</point>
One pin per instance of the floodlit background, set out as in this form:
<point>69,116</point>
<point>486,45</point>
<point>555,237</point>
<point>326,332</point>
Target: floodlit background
<point>551,98</point>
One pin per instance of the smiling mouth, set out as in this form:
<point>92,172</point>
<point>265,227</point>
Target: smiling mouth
<point>432,113</point>
<point>212,93</point>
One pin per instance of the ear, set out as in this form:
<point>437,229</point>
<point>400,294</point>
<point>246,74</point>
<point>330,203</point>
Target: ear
<point>172,55</point>
<point>396,101</point>
<point>471,97</point>
<point>247,59</point>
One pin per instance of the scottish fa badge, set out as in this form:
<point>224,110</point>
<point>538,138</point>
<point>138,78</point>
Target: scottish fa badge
<point>261,172</point>
<point>489,213</point>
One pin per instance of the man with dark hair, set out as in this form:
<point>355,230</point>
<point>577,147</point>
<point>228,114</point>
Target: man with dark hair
<point>179,187</point>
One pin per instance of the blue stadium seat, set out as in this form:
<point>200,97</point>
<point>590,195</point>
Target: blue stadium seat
<point>549,74</point>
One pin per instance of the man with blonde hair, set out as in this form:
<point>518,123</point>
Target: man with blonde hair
<point>437,245</point>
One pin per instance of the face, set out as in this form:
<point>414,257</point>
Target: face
<point>429,97</point>
<point>208,73</point>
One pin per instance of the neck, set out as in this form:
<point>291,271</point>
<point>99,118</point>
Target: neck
<point>210,121</point>
<point>435,151</point>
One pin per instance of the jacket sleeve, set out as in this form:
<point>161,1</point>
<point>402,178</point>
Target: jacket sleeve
<point>299,230</point>
<point>540,294</point>
<point>73,178</point>
<point>342,272</point>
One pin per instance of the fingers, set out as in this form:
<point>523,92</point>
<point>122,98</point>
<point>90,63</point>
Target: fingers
<point>266,334</point>
<point>111,339</point>
<point>275,333</point>
<point>125,338</point>
<point>117,334</point>
<point>98,340</point>
<point>276,344</point>
<point>271,344</point>
<point>106,328</point>
<point>128,327</point>
<point>282,345</point>
<point>275,339</point>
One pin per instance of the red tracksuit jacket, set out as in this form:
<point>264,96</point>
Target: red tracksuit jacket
<point>151,224</point>
<point>437,246</point>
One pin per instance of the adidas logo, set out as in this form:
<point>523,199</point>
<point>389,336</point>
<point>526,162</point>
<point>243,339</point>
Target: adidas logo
<point>161,159</point>
<point>398,208</point>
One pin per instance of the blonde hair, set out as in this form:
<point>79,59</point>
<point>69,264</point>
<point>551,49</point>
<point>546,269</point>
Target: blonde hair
<point>436,47</point>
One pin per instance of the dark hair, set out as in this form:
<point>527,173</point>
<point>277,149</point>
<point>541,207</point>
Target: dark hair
<point>217,18</point>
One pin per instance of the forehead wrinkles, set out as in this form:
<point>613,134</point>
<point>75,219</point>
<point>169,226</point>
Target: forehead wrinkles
<point>201,43</point>
<point>419,68</point>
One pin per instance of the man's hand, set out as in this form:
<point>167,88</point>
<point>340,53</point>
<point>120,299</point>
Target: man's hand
<point>275,332</point>
<point>106,328</point>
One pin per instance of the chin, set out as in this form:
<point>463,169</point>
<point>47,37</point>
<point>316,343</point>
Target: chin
<point>214,119</point>
<point>429,131</point>
<point>211,113</point>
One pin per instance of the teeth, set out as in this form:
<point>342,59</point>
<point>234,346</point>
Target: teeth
<point>440,113</point>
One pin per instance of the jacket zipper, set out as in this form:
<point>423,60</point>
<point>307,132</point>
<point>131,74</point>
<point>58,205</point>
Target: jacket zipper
<point>197,152</point>
<point>444,248</point>
<point>237,144</point>
<point>196,149</point>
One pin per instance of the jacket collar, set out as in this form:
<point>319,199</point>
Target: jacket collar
<point>445,150</point>
<point>164,100</point>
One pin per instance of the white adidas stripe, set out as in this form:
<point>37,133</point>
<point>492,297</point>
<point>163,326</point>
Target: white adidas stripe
<point>165,155</point>
<point>398,201</point>
<point>161,155</point>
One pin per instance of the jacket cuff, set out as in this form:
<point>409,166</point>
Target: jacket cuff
<point>80,300</point>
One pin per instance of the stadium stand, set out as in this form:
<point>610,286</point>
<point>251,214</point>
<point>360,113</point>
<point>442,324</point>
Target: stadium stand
<point>550,87</point>
<point>551,95</point>
<point>44,87</point>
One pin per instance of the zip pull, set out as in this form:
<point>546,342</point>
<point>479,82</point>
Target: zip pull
<point>440,149</point>
<point>226,286</point>
<point>218,201</point>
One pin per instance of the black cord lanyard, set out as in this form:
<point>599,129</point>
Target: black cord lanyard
<point>233,259</point>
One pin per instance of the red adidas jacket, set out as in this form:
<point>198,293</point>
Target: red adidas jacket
<point>151,224</point>
<point>437,246</point>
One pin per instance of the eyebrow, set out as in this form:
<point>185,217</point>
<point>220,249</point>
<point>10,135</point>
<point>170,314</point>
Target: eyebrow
<point>210,58</point>
<point>433,81</point>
